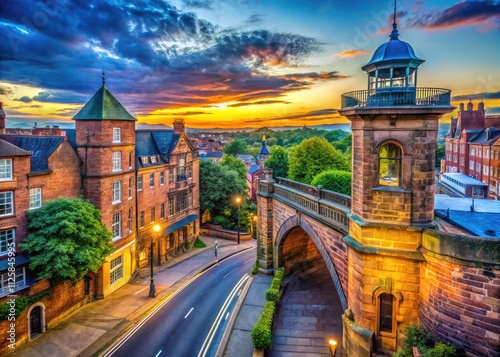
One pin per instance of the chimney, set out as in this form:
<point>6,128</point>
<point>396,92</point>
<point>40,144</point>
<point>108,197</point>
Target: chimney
<point>480,106</point>
<point>178,126</point>
<point>469,106</point>
<point>3,117</point>
<point>461,107</point>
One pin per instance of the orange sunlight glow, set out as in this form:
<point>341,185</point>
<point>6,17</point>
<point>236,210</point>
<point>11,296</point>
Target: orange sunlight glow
<point>351,53</point>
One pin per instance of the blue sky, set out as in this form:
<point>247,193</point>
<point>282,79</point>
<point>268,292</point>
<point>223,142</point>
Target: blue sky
<point>246,63</point>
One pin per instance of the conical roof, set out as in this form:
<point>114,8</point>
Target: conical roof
<point>264,150</point>
<point>103,106</point>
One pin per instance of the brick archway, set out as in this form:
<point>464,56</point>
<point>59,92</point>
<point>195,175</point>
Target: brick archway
<point>296,221</point>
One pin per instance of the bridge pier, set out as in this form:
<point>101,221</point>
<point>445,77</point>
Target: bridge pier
<point>265,252</point>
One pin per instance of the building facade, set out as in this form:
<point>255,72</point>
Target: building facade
<point>138,176</point>
<point>471,147</point>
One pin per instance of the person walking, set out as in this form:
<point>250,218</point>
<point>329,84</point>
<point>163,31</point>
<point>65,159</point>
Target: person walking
<point>215,251</point>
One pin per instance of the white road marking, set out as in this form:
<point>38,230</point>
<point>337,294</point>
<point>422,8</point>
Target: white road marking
<point>227,316</point>
<point>158,353</point>
<point>189,312</point>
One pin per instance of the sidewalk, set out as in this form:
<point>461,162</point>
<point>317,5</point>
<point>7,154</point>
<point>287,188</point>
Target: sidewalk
<point>95,325</point>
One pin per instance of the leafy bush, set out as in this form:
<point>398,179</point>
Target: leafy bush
<point>417,336</point>
<point>262,332</point>
<point>279,273</point>
<point>22,303</point>
<point>273,295</point>
<point>334,180</point>
<point>276,284</point>
<point>198,243</point>
<point>255,268</point>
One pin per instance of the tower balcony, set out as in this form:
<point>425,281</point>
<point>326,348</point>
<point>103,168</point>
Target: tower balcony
<point>396,97</point>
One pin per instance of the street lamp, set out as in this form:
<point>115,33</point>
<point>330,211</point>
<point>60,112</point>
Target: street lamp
<point>238,201</point>
<point>152,288</point>
<point>256,231</point>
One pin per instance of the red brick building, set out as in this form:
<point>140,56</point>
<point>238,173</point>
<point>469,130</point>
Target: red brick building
<point>139,177</point>
<point>472,147</point>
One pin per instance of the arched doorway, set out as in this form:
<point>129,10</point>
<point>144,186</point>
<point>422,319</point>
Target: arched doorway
<point>36,320</point>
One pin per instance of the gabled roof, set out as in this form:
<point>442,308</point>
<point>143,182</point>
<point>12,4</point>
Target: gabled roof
<point>41,147</point>
<point>485,137</point>
<point>245,157</point>
<point>214,154</point>
<point>8,149</point>
<point>253,169</point>
<point>103,106</point>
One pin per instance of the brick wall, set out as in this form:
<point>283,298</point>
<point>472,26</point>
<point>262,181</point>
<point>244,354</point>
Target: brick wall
<point>461,305</point>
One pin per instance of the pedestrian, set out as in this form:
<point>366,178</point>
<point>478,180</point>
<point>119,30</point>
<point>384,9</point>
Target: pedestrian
<point>215,251</point>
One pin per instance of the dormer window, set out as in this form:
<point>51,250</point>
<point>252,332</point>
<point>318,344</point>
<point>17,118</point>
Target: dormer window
<point>144,160</point>
<point>117,136</point>
<point>5,169</point>
<point>389,159</point>
<point>153,159</point>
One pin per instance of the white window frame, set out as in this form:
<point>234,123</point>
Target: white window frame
<point>117,192</point>
<point>130,190</point>
<point>115,270</point>
<point>152,180</point>
<point>162,211</point>
<point>7,237</point>
<point>5,169</point>
<point>116,226</point>
<point>162,178</point>
<point>471,164</point>
<point>7,201</point>
<point>35,197</point>
<point>190,198</point>
<point>485,169</point>
<point>171,206</point>
<point>117,135</point>
<point>139,183</point>
<point>19,281</point>
<point>117,161</point>
<point>478,167</point>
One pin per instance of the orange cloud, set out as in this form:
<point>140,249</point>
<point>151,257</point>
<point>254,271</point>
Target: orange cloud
<point>351,53</point>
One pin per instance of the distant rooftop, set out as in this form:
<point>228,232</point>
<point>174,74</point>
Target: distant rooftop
<point>484,218</point>
<point>467,180</point>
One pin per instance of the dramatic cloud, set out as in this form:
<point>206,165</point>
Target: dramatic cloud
<point>24,99</point>
<point>260,102</point>
<point>351,53</point>
<point>469,12</point>
<point>5,90</point>
<point>477,96</point>
<point>155,56</point>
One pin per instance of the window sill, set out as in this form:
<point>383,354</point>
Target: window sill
<point>115,202</point>
<point>391,189</point>
<point>116,238</point>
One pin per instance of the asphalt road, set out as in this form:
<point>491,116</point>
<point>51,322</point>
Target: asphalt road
<point>191,322</point>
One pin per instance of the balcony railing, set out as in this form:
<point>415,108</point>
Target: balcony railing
<point>397,96</point>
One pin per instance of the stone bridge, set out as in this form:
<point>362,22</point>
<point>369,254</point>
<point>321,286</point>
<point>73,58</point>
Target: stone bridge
<point>448,283</point>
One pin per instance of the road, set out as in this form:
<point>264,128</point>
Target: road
<point>187,321</point>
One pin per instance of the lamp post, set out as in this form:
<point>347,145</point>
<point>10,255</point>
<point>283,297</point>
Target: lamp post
<point>256,231</point>
<point>152,288</point>
<point>238,202</point>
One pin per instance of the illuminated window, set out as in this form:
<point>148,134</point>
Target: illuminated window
<point>115,270</point>
<point>389,165</point>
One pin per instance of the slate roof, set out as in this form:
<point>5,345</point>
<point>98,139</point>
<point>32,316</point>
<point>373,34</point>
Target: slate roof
<point>264,150</point>
<point>41,147</point>
<point>8,149</point>
<point>214,154</point>
<point>485,137</point>
<point>253,169</point>
<point>103,105</point>
<point>245,157</point>
<point>158,143</point>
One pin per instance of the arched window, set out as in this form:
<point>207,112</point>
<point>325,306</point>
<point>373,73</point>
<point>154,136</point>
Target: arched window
<point>386,313</point>
<point>389,160</point>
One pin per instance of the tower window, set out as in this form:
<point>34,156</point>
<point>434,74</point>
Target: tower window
<point>386,312</point>
<point>117,137</point>
<point>389,165</point>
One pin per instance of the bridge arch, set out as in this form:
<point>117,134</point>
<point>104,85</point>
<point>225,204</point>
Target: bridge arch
<point>294,223</point>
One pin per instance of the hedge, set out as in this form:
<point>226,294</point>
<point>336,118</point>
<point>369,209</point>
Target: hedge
<point>262,332</point>
<point>273,295</point>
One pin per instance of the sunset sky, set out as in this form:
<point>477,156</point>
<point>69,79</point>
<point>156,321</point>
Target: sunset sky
<point>233,63</point>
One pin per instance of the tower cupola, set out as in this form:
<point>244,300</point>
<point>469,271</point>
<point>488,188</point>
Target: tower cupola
<point>264,152</point>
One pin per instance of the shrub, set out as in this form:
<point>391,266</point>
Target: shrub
<point>198,243</point>
<point>255,268</point>
<point>441,350</point>
<point>279,274</point>
<point>417,336</point>
<point>334,180</point>
<point>262,332</point>
<point>276,284</point>
<point>273,295</point>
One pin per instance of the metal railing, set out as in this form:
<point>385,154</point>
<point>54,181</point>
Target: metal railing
<point>397,96</point>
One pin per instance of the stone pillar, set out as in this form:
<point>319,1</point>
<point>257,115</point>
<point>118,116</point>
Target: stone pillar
<point>265,222</point>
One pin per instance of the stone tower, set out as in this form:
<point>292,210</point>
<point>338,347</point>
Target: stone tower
<point>105,142</point>
<point>394,132</point>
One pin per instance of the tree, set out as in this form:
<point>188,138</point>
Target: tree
<point>232,163</point>
<point>313,156</point>
<point>67,239</point>
<point>235,147</point>
<point>334,180</point>
<point>440,150</point>
<point>219,186</point>
<point>278,162</point>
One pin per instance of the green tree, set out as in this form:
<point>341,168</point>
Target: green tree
<point>278,161</point>
<point>343,143</point>
<point>313,156</point>
<point>67,239</point>
<point>271,142</point>
<point>334,180</point>
<point>232,163</point>
<point>235,147</point>
<point>219,186</point>
<point>439,152</point>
